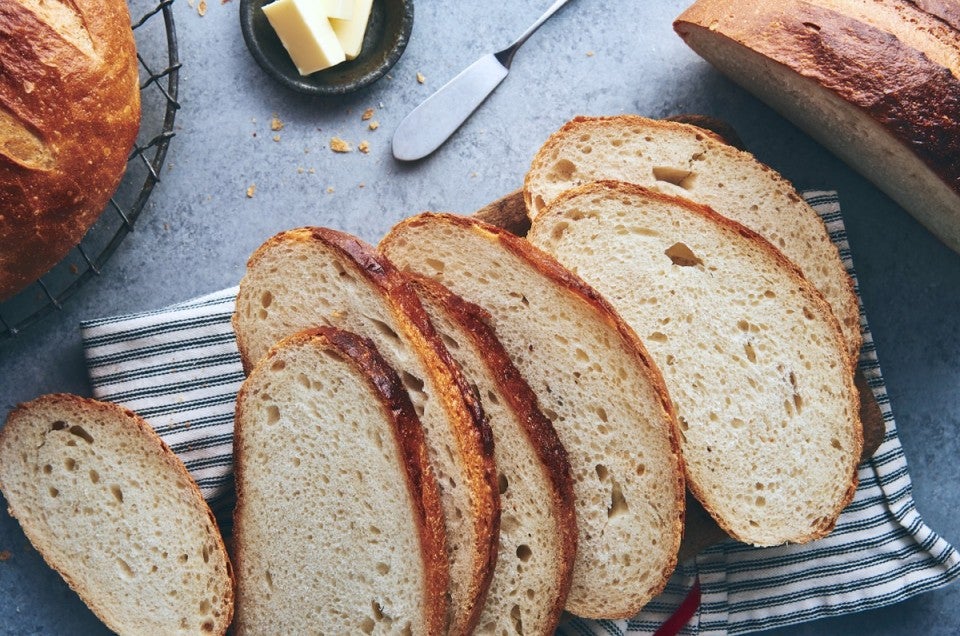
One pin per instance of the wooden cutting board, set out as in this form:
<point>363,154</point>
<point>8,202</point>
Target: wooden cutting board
<point>700,531</point>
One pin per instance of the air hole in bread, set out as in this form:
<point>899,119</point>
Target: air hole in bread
<point>657,336</point>
<point>342,271</point>
<point>683,423</point>
<point>205,553</point>
<point>207,626</point>
<point>70,464</point>
<point>562,170</point>
<point>273,414</point>
<point>524,552</point>
<point>523,299</point>
<point>798,402</point>
<point>682,256</point>
<point>618,503</point>
<point>737,423</point>
<point>449,342</point>
<point>601,413</point>
<point>304,381</point>
<point>266,299</point>
<point>492,398</point>
<point>80,432</point>
<point>559,229</point>
<point>59,425</point>
<point>517,620</point>
<point>750,353</point>
<point>125,569</point>
<point>117,493</point>
<point>641,469</point>
<point>602,472</point>
<point>54,492</point>
<point>414,386</point>
<point>367,625</point>
<point>47,469</point>
<point>383,568</point>
<point>278,365</point>
<point>761,501</point>
<point>808,313</point>
<point>675,176</point>
<point>502,483</point>
<point>94,476</point>
<point>384,328</point>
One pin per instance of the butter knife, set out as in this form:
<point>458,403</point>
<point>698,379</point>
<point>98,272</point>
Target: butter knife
<point>432,122</point>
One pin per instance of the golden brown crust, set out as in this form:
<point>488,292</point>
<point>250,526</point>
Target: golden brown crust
<point>542,437</point>
<point>191,493</point>
<point>899,87</point>
<point>810,294</point>
<point>577,288</point>
<point>409,436</point>
<point>460,402</point>
<point>69,114</point>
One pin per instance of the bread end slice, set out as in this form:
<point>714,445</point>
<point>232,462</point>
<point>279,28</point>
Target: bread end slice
<point>114,511</point>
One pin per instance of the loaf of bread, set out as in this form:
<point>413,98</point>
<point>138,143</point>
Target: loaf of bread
<point>338,527</point>
<point>753,358</point>
<point>595,382</point>
<point>308,277</point>
<point>115,512</point>
<point>69,114</point>
<point>875,81</point>
<point>692,163</point>
<point>538,529</point>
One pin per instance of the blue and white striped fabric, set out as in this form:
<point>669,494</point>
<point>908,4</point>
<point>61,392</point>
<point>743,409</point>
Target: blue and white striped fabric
<point>179,368</point>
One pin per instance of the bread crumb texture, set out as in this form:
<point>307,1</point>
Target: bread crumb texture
<point>116,513</point>
<point>339,145</point>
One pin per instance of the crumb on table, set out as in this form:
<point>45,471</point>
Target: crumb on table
<point>339,145</point>
<point>364,147</point>
<point>420,78</point>
<point>275,123</point>
<point>367,114</point>
<point>251,190</point>
<point>373,125</point>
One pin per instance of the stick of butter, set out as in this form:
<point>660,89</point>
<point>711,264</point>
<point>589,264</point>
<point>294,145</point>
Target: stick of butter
<point>350,32</point>
<point>305,31</point>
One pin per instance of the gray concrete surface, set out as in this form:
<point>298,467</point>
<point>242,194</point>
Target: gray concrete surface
<point>199,226</point>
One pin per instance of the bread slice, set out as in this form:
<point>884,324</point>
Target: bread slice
<point>338,527</point>
<point>753,357</point>
<point>694,164</point>
<point>538,529</point>
<point>315,276</point>
<point>596,383</point>
<point>115,512</point>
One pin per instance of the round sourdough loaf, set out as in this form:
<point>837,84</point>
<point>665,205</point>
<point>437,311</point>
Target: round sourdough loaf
<point>69,114</point>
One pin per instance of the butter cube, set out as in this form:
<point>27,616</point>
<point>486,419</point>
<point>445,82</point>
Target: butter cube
<point>350,32</point>
<point>304,29</point>
<point>339,9</point>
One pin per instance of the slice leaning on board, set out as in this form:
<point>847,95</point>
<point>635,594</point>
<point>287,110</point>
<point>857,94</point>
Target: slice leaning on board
<point>753,358</point>
<point>694,164</point>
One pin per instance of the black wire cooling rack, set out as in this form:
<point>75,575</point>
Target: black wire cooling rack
<point>159,77</point>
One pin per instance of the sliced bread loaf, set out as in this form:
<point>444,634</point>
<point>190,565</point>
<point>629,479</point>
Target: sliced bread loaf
<point>338,527</point>
<point>694,164</point>
<point>752,355</point>
<point>115,512</point>
<point>315,276</point>
<point>538,528</point>
<point>594,380</point>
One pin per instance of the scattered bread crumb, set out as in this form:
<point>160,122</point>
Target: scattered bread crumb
<point>275,123</point>
<point>5,555</point>
<point>373,125</point>
<point>330,190</point>
<point>312,171</point>
<point>589,53</point>
<point>362,185</point>
<point>420,78</point>
<point>166,227</point>
<point>339,145</point>
<point>74,269</point>
<point>367,114</point>
<point>276,137</point>
<point>299,169</point>
<point>251,190</point>
<point>202,8</point>
<point>364,147</point>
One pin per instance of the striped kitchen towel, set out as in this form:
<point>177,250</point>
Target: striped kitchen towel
<point>179,368</point>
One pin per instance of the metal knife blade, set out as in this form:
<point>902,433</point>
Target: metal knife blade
<point>429,124</point>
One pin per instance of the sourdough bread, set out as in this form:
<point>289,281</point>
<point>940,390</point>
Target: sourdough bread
<point>876,82</point>
<point>315,276</point>
<point>691,163</point>
<point>69,114</point>
<point>115,512</point>
<point>538,529</point>
<point>596,383</point>
<point>752,355</point>
<point>338,527</point>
